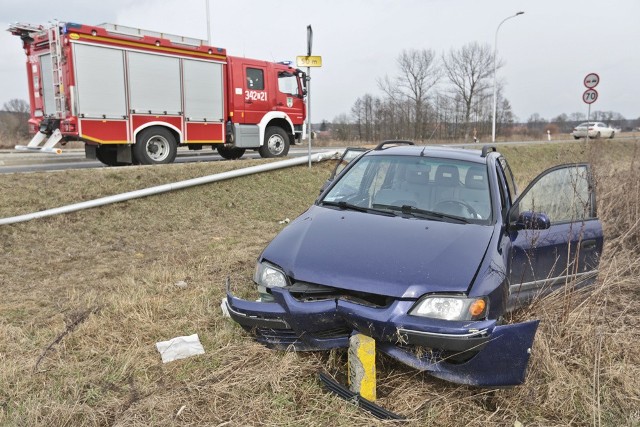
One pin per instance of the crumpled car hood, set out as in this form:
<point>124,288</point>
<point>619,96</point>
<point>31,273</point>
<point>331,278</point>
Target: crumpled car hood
<point>393,256</point>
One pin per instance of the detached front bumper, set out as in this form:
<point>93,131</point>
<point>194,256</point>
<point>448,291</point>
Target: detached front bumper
<point>476,353</point>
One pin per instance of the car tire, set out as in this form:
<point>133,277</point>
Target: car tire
<point>230,153</point>
<point>597,136</point>
<point>276,143</point>
<point>155,146</point>
<point>612,135</point>
<point>576,137</point>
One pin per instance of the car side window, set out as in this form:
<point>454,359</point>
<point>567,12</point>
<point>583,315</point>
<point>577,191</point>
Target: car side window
<point>255,79</point>
<point>563,193</point>
<point>509,179</point>
<point>502,190</point>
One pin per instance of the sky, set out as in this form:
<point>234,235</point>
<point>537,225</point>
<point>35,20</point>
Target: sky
<point>546,52</point>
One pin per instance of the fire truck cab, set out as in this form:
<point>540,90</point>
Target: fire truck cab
<point>134,96</point>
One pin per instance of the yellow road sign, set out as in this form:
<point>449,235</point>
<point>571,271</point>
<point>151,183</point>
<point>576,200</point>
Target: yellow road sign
<point>309,61</point>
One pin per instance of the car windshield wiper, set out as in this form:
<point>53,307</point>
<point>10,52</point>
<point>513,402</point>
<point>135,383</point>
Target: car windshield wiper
<point>422,213</point>
<point>350,206</point>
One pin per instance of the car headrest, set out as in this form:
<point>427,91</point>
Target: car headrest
<point>447,175</point>
<point>476,178</point>
<point>417,174</point>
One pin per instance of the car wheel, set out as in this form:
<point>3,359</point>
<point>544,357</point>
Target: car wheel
<point>276,143</point>
<point>597,136</point>
<point>230,153</point>
<point>612,134</point>
<point>576,137</point>
<point>155,145</point>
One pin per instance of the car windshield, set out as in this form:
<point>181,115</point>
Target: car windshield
<point>413,186</point>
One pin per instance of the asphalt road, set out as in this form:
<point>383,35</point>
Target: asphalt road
<point>20,162</point>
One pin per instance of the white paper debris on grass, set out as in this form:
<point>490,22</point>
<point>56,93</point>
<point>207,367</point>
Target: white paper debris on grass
<point>179,348</point>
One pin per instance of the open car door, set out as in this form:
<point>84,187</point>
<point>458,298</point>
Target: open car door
<point>349,154</point>
<point>555,234</point>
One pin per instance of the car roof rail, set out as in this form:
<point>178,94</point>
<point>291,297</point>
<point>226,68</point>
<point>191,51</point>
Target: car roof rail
<point>487,148</point>
<point>393,142</point>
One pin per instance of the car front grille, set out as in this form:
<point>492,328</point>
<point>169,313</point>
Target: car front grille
<point>308,292</point>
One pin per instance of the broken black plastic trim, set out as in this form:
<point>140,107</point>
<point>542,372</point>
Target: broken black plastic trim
<point>355,398</point>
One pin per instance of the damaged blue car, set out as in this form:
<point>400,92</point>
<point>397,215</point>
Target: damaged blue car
<point>425,249</point>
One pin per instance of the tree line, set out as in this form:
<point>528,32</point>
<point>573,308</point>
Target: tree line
<point>14,126</point>
<point>448,96</point>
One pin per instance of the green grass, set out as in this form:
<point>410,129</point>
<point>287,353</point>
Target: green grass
<point>118,265</point>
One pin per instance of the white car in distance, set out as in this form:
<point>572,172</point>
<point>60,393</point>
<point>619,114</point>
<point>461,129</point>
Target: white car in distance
<point>595,129</point>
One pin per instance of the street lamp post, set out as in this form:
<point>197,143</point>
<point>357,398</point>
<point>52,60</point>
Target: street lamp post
<point>495,89</point>
<point>208,23</point>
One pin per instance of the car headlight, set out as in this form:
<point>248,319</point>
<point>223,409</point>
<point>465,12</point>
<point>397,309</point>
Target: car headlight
<point>269,276</point>
<point>450,307</point>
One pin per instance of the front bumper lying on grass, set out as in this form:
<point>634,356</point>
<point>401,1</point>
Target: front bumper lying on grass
<point>478,353</point>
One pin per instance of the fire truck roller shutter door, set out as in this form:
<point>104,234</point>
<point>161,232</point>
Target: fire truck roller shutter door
<point>276,142</point>
<point>100,82</point>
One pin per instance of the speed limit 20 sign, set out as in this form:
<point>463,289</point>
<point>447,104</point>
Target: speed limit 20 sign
<point>590,81</point>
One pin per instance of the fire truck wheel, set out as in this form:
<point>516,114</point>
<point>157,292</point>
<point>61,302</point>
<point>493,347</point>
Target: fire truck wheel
<point>108,155</point>
<point>230,153</point>
<point>276,143</point>
<point>155,145</point>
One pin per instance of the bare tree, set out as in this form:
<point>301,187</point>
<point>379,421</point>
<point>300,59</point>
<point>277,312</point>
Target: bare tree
<point>362,112</point>
<point>419,72</point>
<point>505,118</point>
<point>14,125</point>
<point>342,127</point>
<point>577,116</point>
<point>469,70</point>
<point>16,106</point>
<point>561,121</point>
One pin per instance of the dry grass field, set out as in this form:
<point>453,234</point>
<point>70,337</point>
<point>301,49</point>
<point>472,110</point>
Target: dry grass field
<point>85,297</point>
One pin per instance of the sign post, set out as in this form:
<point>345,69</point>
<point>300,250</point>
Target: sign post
<point>590,95</point>
<point>309,61</point>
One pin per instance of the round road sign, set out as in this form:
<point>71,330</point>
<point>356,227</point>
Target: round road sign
<point>589,96</point>
<point>591,81</point>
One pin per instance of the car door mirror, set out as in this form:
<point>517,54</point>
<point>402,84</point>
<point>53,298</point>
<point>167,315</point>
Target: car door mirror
<point>532,221</point>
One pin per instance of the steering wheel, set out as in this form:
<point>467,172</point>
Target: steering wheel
<point>458,203</point>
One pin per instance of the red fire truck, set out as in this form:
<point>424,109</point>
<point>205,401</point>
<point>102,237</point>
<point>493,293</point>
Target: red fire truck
<point>134,96</point>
